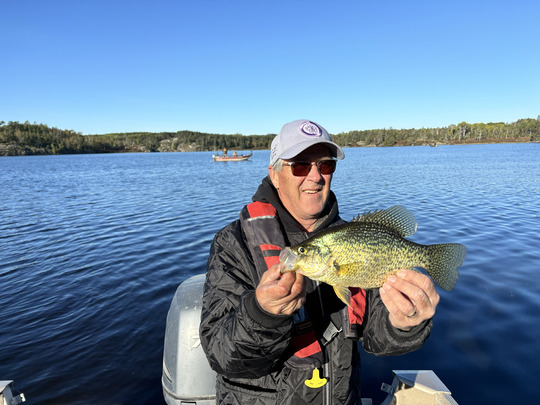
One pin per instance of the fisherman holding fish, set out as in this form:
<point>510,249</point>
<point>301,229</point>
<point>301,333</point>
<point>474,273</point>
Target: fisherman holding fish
<point>291,287</point>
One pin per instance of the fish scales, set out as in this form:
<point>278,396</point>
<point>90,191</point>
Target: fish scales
<point>364,252</point>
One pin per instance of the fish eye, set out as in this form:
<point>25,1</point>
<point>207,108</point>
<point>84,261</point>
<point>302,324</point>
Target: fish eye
<point>302,250</point>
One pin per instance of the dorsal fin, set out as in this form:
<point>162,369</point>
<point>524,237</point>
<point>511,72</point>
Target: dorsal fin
<point>397,218</point>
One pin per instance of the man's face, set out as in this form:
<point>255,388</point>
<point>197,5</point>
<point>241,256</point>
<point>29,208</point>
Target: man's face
<point>305,196</point>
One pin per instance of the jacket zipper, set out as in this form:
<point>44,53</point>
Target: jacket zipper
<point>327,392</point>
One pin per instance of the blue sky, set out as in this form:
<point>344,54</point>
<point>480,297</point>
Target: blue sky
<point>249,67</point>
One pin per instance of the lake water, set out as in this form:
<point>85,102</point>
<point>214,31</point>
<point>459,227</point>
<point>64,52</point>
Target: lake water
<point>93,247</point>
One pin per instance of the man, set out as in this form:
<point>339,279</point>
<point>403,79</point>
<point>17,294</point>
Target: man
<point>279,338</point>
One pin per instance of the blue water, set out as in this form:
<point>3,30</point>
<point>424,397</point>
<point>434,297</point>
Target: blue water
<point>92,248</point>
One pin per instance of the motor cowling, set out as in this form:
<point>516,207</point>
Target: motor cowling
<point>187,377</point>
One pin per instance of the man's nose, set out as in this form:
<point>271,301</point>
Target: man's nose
<point>314,172</point>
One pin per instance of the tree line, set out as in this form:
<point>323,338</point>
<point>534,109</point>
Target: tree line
<point>39,139</point>
<point>523,130</point>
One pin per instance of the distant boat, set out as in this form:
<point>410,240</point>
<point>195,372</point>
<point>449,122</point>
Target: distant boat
<point>233,158</point>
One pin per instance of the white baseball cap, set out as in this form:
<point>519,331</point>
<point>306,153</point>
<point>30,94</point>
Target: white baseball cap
<point>297,136</point>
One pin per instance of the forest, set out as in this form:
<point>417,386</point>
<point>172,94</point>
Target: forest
<point>39,139</point>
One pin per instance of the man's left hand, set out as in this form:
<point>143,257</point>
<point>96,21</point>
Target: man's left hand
<point>410,298</point>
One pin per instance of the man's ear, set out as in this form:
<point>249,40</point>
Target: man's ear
<point>274,177</point>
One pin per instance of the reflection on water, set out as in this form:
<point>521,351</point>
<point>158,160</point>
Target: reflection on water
<point>94,246</point>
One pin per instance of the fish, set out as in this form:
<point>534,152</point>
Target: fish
<point>365,251</point>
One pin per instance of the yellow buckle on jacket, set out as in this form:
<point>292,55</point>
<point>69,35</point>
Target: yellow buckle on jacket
<point>316,381</point>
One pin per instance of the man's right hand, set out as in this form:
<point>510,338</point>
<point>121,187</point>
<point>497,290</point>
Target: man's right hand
<point>280,294</point>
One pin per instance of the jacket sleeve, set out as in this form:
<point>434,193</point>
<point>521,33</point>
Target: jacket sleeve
<point>383,339</point>
<point>239,338</point>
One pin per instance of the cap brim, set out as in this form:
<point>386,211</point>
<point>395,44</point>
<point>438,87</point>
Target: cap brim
<point>300,147</point>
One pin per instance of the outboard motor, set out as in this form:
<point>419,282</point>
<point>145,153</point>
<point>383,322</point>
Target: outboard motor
<point>187,378</point>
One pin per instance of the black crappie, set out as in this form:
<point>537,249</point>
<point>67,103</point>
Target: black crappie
<point>364,252</point>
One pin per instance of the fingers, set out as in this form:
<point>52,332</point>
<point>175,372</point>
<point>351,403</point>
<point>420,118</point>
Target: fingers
<point>273,273</point>
<point>410,298</point>
<point>280,293</point>
<point>289,283</point>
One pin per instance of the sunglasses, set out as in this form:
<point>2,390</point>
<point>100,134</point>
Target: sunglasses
<point>302,169</point>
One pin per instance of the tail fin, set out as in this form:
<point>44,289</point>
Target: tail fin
<point>443,263</point>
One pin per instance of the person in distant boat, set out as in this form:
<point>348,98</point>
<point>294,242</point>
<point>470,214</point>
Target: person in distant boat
<point>278,338</point>
<point>235,153</point>
<point>224,151</point>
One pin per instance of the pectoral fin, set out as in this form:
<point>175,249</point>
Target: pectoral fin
<point>344,294</point>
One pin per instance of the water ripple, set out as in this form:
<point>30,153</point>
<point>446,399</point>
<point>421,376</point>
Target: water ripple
<point>93,248</point>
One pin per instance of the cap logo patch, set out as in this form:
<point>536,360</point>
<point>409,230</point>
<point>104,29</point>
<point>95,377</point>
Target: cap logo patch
<point>310,129</point>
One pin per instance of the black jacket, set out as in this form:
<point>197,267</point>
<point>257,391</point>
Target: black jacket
<point>250,348</point>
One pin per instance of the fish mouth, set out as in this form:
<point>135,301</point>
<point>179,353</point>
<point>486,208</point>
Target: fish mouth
<point>288,260</point>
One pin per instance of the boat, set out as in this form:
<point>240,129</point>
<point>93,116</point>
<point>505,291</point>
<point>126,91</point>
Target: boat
<point>233,158</point>
<point>6,394</point>
<point>188,379</point>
